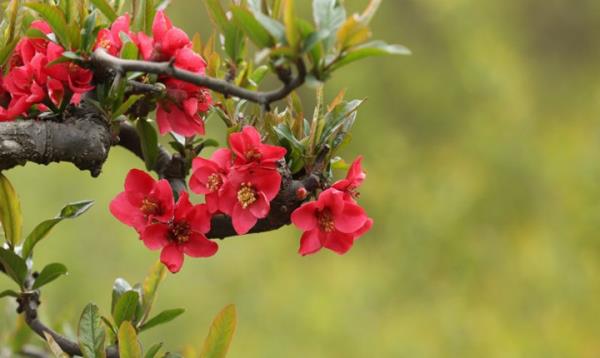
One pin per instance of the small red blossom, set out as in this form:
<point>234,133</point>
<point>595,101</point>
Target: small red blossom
<point>110,39</point>
<point>78,79</point>
<point>143,201</point>
<point>27,47</point>
<point>353,180</point>
<point>181,111</point>
<point>209,175</point>
<point>251,152</point>
<point>166,39</point>
<point>184,234</point>
<point>331,221</point>
<point>246,197</point>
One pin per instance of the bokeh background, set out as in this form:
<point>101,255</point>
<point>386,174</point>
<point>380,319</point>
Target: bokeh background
<point>482,151</point>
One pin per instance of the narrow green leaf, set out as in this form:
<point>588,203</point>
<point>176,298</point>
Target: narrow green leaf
<point>149,13</point>
<point>217,14</point>
<point>124,107</point>
<point>105,9</point>
<point>119,288</point>
<point>49,273</point>
<point>70,211</point>
<point>289,20</point>
<point>375,48</point>
<point>220,334</point>
<point>161,318</point>
<point>329,15</point>
<point>11,13</point>
<point>155,276</point>
<point>126,307</point>
<point>129,347</point>
<point>274,27</point>
<point>56,19</point>
<point>253,29</point>
<point>8,293</point>
<point>153,351</point>
<point>259,74</point>
<point>10,212</point>
<point>88,32</point>
<point>14,265</point>
<point>149,141</point>
<point>90,333</point>
<point>54,347</point>
<point>6,50</point>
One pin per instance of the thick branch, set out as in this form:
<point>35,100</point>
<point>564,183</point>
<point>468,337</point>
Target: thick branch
<point>82,138</point>
<point>103,60</point>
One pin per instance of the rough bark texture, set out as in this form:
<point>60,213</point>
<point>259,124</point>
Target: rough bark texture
<point>82,138</point>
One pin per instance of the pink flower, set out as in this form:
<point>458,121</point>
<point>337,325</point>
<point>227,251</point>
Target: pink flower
<point>77,78</point>
<point>110,39</point>
<point>184,234</point>
<point>250,151</point>
<point>143,201</point>
<point>180,111</point>
<point>353,180</point>
<point>331,221</point>
<point>166,39</point>
<point>209,175</point>
<point>246,196</point>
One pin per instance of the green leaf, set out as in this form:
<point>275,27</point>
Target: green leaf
<point>129,51</point>
<point>161,318</point>
<point>91,333</point>
<point>375,48</point>
<point>70,211</point>
<point>55,18</point>
<point>105,9</point>
<point>149,142</point>
<point>10,212</point>
<point>12,13</point>
<point>220,334</point>
<point>155,276</point>
<point>289,20</point>
<point>129,347</point>
<point>217,14</point>
<point>274,27</point>
<point>88,32</point>
<point>329,15</point>
<point>124,107</point>
<point>8,293</point>
<point>149,14</point>
<point>259,74</point>
<point>253,29</point>
<point>126,307</point>
<point>49,273</point>
<point>54,347</point>
<point>119,288</point>
<point>6,50</point>
<point>14,265</point>
<point>153,351</point>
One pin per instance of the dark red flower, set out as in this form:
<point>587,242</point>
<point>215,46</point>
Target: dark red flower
<point>181,111</point>
<point>143,201</point>
<point>246,196</point>
<point>110,39</point>
<point>353,180</point>
<point>26,85</point>
<point>184,234</point>
<point>331,221</point>
<point>250,151</point>
<point>209,175</point>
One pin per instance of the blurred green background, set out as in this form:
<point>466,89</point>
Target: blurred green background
<point>482,151</point>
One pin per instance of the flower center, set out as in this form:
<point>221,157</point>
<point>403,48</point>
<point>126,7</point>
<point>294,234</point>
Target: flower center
<point>253,155</point>
<point>179,232</point>
<point>214,182</point>
<point>246,195</point>
<point>150,207</point>
<point>105,44</point>
<point>325,220</point>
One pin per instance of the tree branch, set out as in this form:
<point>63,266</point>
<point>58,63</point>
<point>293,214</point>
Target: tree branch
<point>102,60</point>
<point>82,138</point>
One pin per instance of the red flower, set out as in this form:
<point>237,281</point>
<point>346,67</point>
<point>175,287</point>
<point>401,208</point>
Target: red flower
<point>353,180</point>
<point>143,201</point>
<point>250,151</point>
<point>331,222</point>
<point>110,39</point>
<point>26,85</point>
<point>27,47</point>
<point>246,197</point>
<point>209,175</point>
<point>184,234</point>
<point>77,78</point>
<point>166,39</point>
<point>180,112</point>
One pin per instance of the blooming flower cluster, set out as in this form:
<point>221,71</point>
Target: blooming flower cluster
<point>35,78</point>
<point>334,220</point>
<point>175,228</point>
<point>242,181</point>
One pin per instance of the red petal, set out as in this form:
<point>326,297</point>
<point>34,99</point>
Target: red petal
<point>163,194</point>
<point>243,220</point>
<point>199,219</point>
<point>222,157</point>
<point>338,242</point>
<point>305,217</point>
<point>129,215</point>
<point>309,243</point>
<point>162,118</point>
<point>172,257</point>
<point>351,219</point>
<point>155,236</point>
<point>138,184</point>
<point>260,208</point>
<point>200,246</point>
<point>364,229</point>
